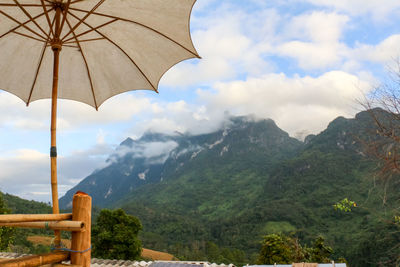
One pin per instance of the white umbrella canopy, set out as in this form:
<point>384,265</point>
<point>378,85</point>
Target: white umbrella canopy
<point>89,51</point>
<point>108,46</point>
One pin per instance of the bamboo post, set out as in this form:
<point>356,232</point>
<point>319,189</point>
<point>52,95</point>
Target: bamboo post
<point>36,260</point>
<point>81,211</point>
<point>14,218</point>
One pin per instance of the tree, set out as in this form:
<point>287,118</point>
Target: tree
<point>383,105</point>
<point>320,252</point>
<point>115,235</point>
<point>6,233</point>
<point>280,249</point>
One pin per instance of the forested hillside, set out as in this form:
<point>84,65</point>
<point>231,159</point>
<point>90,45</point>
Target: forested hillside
<point>22,206</point>
<point>224,190</point>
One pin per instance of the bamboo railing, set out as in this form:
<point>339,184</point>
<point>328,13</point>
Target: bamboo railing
<point>78,222</point>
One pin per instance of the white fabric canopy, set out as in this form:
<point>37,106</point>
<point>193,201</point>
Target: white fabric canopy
<point>108,46</point>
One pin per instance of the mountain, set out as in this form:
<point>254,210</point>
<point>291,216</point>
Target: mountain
<point>156,157</point>
<point>248,179</point>
<point>134,163</point>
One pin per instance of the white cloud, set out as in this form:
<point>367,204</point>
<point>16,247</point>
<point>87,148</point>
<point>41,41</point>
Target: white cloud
<point>156,149</point>
<point>314,40</point>
<point>311,55</point>
<point>119,108</point>
<point>155,152</point>
<point>379,9</point>
<point>317,26</point>
<point>181,117</point>
<point>71,114</point>
<point>296,104</point>
<point>27,172</point>
<point>384,52</point>
<point>230,42</point>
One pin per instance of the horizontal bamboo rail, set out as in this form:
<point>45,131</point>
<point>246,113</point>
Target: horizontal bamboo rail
<point>65,265</point>
<point>13,218</point>
<point>73,226</point>
<point>36,260</point>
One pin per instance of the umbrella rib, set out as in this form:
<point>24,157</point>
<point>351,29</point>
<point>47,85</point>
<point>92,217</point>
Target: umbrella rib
<point>91,30</point>
<point>39,66</point>
<point>37,72</point>
<point>123,51</point>
<point>21,25</point>
<point>28,36</point>
<point>47,16</point>
<point>64,17</point>
<point>140,24</point>
<point>80,21</point>
<point>86,64</point>
<point>72,46</point>
<point>30,17</point>
<point>26,5</point>
<point>85,40</point>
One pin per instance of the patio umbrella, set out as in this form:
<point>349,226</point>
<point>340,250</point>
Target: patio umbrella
<point>89,50</point>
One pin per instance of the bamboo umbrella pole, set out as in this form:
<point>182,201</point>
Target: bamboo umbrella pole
<point>56,47</point>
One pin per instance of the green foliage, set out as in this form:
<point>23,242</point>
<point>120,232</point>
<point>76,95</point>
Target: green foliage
<point>279,227</point>
<point>278,249</point>
<point>378,246</point>
<point>17,237</point>
<point>282,249</point>
<point>23,206</point>
<point>115,235</point>
<point>345,205</point>
<point>6,233</point>
<point>319,252</point>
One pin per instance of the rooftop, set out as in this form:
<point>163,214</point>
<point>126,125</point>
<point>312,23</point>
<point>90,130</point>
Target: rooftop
<point>127,263</point>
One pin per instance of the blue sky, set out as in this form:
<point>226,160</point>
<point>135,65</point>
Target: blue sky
<point>301,63</point>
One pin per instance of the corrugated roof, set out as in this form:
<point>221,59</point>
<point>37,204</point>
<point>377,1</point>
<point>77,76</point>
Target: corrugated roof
<point>173,264</point>
<point>127,263</point>
<point>290,265</point>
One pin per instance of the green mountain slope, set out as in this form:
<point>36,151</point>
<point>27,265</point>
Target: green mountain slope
<point>233,186</point>
<point>255,191</point>
<point>22,206</point>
